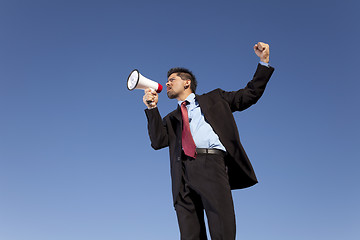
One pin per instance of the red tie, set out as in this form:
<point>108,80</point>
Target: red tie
<point>188,143</point>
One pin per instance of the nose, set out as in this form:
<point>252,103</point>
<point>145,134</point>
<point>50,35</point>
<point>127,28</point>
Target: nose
<point>167,84</point>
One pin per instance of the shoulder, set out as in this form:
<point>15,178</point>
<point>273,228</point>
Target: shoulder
<point>213,93</point>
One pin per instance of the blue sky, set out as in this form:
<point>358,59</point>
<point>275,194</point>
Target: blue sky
<point>75,157</point>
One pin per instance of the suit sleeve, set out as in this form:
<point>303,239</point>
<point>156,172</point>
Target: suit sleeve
<point>157,129</point>
<point>244,98</point>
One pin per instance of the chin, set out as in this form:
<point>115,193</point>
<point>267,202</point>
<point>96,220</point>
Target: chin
<point>171,95</point>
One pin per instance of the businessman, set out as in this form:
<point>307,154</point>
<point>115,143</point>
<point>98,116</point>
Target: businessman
<point>207,159</point>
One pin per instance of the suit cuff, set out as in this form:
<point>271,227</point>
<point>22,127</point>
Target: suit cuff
<point>264,64</point>
<point>149,109</point>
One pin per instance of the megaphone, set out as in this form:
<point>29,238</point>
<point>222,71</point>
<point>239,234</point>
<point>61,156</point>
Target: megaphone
<point>138,81</point>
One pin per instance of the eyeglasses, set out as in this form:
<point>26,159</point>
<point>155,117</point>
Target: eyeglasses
<point>171,80</point>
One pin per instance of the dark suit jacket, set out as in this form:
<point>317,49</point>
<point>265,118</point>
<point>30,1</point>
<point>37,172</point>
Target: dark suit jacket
<point>217,107</point>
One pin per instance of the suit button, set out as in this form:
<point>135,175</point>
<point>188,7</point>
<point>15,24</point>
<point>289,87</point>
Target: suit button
<point>178,159</point>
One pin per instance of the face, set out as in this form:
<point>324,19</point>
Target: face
<point>176,87</point>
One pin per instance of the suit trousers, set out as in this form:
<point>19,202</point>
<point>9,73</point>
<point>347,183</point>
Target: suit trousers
<point>205,186</point>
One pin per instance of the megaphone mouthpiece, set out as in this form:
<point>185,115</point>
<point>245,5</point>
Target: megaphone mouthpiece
<point>160,88</point>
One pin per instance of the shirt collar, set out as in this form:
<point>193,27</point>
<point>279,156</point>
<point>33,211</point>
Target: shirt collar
<point>190,99</point>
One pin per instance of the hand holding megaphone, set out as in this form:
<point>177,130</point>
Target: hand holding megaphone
<point>151,98</point>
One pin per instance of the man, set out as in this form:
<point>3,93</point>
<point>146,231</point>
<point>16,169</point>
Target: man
<point>206,157</point>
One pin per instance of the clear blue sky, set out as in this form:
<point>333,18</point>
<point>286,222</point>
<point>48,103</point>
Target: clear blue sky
<point>75,157</point>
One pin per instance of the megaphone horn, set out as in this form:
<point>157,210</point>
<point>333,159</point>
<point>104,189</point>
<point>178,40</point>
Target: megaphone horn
<point>138,81</point>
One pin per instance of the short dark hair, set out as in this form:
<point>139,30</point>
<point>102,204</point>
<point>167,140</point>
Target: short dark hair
<point>184,74</point>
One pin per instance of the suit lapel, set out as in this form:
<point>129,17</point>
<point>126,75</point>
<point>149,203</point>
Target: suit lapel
<point>177,115</point>
<point>206,109</point>
<point>202,102</point>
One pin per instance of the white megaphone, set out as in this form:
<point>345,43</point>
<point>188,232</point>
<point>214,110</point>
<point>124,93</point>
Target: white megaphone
<point>138,81</point>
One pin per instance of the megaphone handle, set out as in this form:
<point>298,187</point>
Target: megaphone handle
<point>150,101</point>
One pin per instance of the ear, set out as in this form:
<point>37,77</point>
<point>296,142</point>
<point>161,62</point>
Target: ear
<point>187,83</point>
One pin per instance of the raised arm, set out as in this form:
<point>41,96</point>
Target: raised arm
<point>156,126</point>
<point>244,98</point>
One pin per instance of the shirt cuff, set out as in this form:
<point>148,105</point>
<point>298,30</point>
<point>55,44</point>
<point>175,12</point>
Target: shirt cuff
<point>264,64</point>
